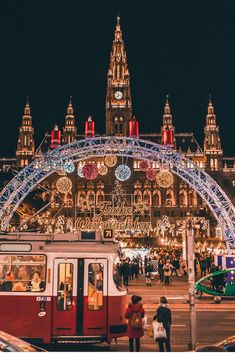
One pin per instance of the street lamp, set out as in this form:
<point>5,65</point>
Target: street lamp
<point>191,280</point>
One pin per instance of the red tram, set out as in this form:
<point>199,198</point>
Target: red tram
<point>62,290</point>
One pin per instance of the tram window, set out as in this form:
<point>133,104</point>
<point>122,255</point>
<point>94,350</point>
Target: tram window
<point>22,273</point>
<point>95,286</point>
<point>65,286</point>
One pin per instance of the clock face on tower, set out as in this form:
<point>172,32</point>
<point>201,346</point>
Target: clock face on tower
<point>118,95</point>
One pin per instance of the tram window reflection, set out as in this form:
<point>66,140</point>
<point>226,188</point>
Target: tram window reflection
<point>95,286</point>
<point>65,286</point>
<point>22,273</point>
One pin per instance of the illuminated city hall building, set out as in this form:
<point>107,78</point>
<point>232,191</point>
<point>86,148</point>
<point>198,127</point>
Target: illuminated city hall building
<point>143,208</point>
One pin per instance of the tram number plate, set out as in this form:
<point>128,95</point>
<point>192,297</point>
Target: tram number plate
<point>43,299</point>
<point>108,234</point>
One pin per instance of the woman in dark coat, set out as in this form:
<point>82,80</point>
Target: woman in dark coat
<point>163,315</point>
<point>134,333</point>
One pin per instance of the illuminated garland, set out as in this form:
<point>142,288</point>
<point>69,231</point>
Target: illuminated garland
<point>122,172</point>
<point>90,170</point>
<point>165,179</point>
<point>103,170</point>
<point>144,165</point>
<point>110,160</point>
<point>151,174</point>
<point>64,185</point>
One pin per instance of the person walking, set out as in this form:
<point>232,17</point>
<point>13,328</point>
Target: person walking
<point>161,270</point>
<point>125,273</point>
<point>167,272</point>
<point>148,274</point>
<point>135,313</point>
<point>163,315</point>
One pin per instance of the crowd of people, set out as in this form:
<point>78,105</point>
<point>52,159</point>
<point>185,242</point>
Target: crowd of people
<point>165,264</point>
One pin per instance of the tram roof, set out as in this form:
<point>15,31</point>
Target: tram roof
<point>61,243</point>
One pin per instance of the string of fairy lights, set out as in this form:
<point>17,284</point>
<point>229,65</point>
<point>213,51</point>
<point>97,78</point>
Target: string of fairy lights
<point>90,170</point>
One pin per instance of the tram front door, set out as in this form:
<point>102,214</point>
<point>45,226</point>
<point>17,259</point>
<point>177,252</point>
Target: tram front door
<point>79,297</point>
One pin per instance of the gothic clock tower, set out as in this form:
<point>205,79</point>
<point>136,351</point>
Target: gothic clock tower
<point>118,97</point>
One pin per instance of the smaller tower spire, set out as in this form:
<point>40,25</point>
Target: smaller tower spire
<point>210,109</point>
<point>167,109</point>
<point>167,127</point>
<point>70,107</point>
<point>25,147</point>
<point>118,17</point>
<point>70,130</point>
<point>212,145</point>
<point>27,107</point>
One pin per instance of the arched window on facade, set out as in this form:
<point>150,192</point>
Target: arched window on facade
<point>91,197</point>
<point>157,198</point>
<point>68,200</point>
<point>170,199</point>
<point>147,197</point>
<point>99,196</point>
<point>192,198</point>
<point>138,196</point>
<point>183,199</point>
<point>118,126</point>
<point>81,197</point>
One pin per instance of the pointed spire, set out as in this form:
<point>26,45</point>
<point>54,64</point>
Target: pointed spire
<point>210,109</point>
<point>27,107</point>
<point>118,18</point>
<point>118,69</point>
<point>167,109</point>
<point>167,126</point>
<point>70,107</point>
<point>118,27</point>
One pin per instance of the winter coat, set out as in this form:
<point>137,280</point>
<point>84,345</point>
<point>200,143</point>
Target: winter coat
<point>134,332</point>
<point>163,315</point>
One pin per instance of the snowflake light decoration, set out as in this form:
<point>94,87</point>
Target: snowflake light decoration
<point>141,208</point>
<point>110,160</point>
<point>144,165</point>
<point>103,170</point>
<point>151,174</point>
<point>90,170</point>
<point>80,172</point>
<point>69,167</point>
<point>122,172</point>
<point>165,178</point>
<point>64,185</point>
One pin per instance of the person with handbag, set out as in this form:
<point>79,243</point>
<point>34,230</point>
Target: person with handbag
<point>163,317</point>
<point>135,314</point>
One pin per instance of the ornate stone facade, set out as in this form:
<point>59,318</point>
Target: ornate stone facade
<point>175,201</point>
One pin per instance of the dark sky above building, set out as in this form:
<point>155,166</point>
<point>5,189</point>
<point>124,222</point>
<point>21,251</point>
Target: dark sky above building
<point>53,49</point>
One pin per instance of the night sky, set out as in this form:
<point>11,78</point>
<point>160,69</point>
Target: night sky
<point>53,49</point>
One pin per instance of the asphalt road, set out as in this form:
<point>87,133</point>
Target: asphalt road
<point>214,321</point>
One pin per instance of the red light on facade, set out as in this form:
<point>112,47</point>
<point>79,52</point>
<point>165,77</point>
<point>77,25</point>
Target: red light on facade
<point>89,128</point>
<point>134,128</point>
<point>167,137</point>
<point>55,137</point>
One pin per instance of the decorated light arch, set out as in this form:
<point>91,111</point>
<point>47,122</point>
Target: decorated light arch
<point>26,180</point>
